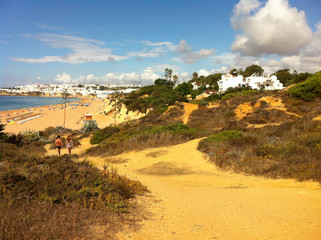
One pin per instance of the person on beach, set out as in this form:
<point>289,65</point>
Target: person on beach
<point>69,145</point>
<point>58,144</point>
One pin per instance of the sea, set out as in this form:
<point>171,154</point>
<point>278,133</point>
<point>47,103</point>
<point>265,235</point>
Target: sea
<point>19,102</point>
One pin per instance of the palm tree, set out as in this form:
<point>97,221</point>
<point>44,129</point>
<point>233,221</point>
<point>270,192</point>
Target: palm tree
<point>115,97</point>
<point>65,96</point>
<point>175,78</point>
<point>166,73</point>
<point>195,76</point>
<point>170,72</point>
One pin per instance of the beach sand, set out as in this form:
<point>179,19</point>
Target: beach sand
<point>54,116</point>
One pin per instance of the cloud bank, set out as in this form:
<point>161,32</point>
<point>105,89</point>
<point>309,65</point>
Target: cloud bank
<point>82,50</point>
<point>274,35</point>
<point>276,28</point>
<point>188,56</point>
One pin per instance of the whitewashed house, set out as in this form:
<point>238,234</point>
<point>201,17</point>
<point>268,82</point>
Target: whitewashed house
<point>255,82</point>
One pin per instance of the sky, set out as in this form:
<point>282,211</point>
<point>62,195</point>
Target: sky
<point>133,41</point>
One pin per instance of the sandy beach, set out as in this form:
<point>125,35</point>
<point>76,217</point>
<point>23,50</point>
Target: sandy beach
<point>53,115</point>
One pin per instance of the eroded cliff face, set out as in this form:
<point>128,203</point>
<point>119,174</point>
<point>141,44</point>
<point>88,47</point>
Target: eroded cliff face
<point>122,113</point>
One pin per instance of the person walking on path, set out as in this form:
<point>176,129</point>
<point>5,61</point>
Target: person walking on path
<point>69,145</point>
<point>58,144</point>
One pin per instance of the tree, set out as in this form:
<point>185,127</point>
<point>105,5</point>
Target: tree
<point>175,78</point>
<point>252,69</point>
<point>195,76</point>
<point>299,77</point>
<point>65,96</point>
<point>213,79</point>
<point>115,97</point>
<point>284,75</point>
<point>168,74</point>
<point>309,89</point>
<point>163,82</point>
<point>184,88</point>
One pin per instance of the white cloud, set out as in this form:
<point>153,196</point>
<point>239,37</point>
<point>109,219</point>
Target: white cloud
<point>161,67</point>
<point>147,77</point>
<point>52,28</point>
<point>187,54</point>
<point>156,44</point>
<point>274,36</point>
<point>152,49</point>
<point>275,28</point>
<point>82,50</point>
<point>144,54</point>
<point>63,78</point>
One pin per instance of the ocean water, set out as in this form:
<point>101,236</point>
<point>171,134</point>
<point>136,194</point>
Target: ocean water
<point>18,102</point>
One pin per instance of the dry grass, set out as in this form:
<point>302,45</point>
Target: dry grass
<point>56,198</point>
<point>215,118</point>
<point>156,154</point>
<point>291,150</point>
<point>145,137</point>
<point>29,219</point>
<point>165,169</point>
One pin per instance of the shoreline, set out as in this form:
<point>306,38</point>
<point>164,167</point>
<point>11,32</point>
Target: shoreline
<point>17,109</point>
<point>53,115</point>
<point>27,95</point>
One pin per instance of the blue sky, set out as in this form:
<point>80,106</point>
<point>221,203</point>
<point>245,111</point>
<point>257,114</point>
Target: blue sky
<point>127,41</point>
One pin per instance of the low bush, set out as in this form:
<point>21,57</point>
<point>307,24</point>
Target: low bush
<point>30,219</point>
<point>16,139</point>
<point>61,181</point>
<point>61,129</point>
<point>144,137</point>
<point>225,135</point>
<point>291,150</point>
<point>309,89</point>
<point>102,134</point>
<point>158,96</point>
<point>47,132</point>
<point>31,136</point>
<point>89,126</point>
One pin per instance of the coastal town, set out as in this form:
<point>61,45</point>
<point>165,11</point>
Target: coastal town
<point>78,90</point>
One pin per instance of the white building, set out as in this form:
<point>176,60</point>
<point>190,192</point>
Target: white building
<point>255,82</point>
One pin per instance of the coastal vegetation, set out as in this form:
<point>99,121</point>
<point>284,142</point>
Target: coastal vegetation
<point>309,89</point>
<point>290,150</point>
<point>273,134</point>
<point>73,192</point>
<point>118,140</point>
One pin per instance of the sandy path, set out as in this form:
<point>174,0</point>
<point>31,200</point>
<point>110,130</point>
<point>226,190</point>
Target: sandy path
<point>191,199</point>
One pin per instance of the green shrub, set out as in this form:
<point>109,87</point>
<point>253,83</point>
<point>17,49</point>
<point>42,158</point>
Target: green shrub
<point>61,129</point>
<point>31,136</point>
<point>309,89</point>
<point>58,180</point>
<point>47,132</point>
<point>225,135</point>
<point>89,126</point>
<point>102,134</point>
<point>158,96</point>
<point>144,137</point>
<point>16,139</point>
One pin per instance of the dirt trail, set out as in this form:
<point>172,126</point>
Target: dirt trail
<point>191,199</point>
<point>188,109</point>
